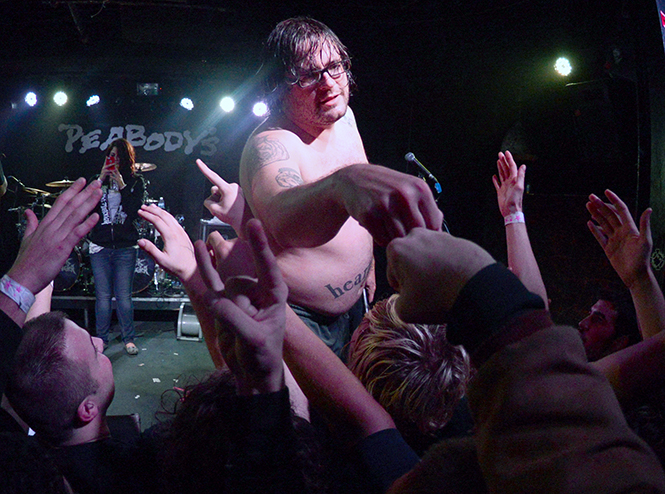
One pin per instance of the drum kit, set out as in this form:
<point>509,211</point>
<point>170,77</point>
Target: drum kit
<point>76,273</point>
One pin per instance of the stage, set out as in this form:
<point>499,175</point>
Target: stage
<point>148,305</point>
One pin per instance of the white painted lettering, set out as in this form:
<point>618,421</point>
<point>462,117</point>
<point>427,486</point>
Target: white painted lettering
<point>116,133</point>
<point>191,143</point>
<point>90,140</point>
<point>209,146</point>
<point>170,141</point>
<point>136,135</point>
<point>170,144</point>
<point>155,141</point>
<point>74,133</point>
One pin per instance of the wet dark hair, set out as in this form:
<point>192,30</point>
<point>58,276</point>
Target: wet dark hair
<point>290,45</point>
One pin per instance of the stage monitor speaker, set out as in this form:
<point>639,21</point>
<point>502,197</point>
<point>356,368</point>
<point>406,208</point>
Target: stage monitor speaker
<point>208,226</point>
<point>188,328</point>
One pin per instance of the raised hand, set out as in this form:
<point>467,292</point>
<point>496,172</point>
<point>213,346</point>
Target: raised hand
<point>629,251</point>
<point>231,257</point>
<point>627,248</point>
<point>177,257</point>
<point>110,165</point>
<point>116,176</point>
<point>226,201</point>
<point>46,245</point>
<point>250,314</point>
<point>389,204</point>
<point>428,269</point>
<point>509,185</point>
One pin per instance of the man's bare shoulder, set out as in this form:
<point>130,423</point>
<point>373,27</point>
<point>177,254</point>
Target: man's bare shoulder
<point>266,146</point>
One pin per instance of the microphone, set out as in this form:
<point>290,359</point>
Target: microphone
<point>411,158</point>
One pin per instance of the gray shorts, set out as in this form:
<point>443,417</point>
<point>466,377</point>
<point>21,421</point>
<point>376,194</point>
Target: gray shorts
<point>334,331</point>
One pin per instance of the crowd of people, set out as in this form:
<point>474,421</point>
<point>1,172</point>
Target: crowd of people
<point>460,382</point>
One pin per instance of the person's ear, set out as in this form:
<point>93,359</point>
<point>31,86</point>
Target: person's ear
<point>87,410</point>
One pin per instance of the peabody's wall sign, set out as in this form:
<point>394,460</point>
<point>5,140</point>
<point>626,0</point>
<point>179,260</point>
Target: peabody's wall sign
<point>168,141</point>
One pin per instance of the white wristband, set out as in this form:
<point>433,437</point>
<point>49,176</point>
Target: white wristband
<point>514,218</point>
<point>17,292</point>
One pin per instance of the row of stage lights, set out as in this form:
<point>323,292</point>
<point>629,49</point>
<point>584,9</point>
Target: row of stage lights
<point>227,104</point>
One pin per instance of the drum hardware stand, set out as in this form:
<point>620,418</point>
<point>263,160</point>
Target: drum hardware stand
<point>157,276</point>
<point>87,280</point>
<point>164,286</point>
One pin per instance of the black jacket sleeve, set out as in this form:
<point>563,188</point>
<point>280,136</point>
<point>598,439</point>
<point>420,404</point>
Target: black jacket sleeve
<point>10,337</point>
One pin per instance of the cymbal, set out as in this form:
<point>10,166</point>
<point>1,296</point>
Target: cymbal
<point>60,183</point>
<point>36,192</point>
<point>144,167</point>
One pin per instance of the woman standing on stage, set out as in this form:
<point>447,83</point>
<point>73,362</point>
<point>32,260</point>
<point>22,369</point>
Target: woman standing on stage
<point>113,241</point>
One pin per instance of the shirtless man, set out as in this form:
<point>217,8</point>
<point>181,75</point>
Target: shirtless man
<point>305,175</point>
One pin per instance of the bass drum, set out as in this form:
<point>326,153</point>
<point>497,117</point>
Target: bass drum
<point>144,271</point>
<point>69,273</point>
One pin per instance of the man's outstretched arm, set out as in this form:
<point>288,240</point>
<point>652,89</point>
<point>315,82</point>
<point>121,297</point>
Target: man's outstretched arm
<point>300,212</point>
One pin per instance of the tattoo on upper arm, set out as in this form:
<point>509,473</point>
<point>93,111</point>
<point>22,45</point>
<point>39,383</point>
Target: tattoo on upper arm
<point>288,177</point>
<point>265,151</point>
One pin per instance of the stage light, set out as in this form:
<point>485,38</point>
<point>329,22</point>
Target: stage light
<point>60,98</point>
<point>31,99</point>
<point>227,104</point>
<point>187,104</point>
<point>563,67</point>
<point>260,109</point>
<point>92,100</point>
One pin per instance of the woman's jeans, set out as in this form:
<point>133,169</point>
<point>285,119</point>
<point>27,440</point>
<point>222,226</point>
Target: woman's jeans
<point>113,270</point>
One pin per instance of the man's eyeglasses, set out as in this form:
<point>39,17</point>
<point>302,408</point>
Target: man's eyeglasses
<point>334,70</point>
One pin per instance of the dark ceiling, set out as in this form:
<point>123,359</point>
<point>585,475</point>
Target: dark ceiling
<point>194,37</point>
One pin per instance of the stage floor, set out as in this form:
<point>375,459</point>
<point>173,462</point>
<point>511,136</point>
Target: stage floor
<point>163,362</point>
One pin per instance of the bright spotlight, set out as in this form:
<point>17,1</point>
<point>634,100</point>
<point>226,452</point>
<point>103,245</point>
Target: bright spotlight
<point>60,98</point>
<point>563,67</point>
<point>260,109</point>
<point>92,100</point>
<point>187,104</point>
<point>227,104</point>
<point>31,99</point>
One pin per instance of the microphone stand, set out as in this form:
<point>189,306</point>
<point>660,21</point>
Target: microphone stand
<point>431,181</point>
